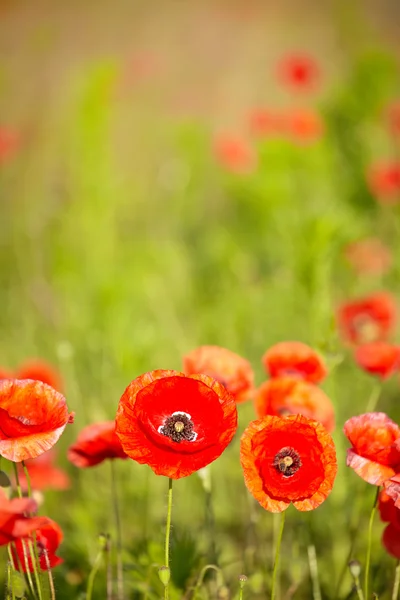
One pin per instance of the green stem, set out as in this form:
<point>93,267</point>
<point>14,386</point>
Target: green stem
<point>51,582</point>
<point>117,517</point>
<point>368,557</point>
<point>277,552</point>
<point>312,561</point>
<point>201,578</point>
<point>396,584</point>
<point>374,397</point>
<point>10,567</point>
<point>33,547</point>
<point>92,575</point>
<point>167,535</point>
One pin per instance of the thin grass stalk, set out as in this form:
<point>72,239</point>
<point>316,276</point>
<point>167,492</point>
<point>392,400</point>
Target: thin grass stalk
<point>33,547</point>
<point>117,517</point>
<point>277,553</point>
<point>369,543</point>
<point>50,575</point>
<point>109,573</point>
<point>396,583</point>
<point>313,564</point>
<point>27,569</point>
<point>201,576</point>
<point>167,537</point>
<point>374,397</point>
<point>10,587</point>
<point>92,574</point>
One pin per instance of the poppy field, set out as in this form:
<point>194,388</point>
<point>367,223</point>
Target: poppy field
<point>200,296</point>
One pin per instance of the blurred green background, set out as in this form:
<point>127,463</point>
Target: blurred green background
<point>124,244</point>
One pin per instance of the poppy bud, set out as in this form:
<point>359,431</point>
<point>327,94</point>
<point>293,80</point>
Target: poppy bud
<point>242,581</point>
<point>164,574</point>
<point>355,568</point>
<point>17,584</point>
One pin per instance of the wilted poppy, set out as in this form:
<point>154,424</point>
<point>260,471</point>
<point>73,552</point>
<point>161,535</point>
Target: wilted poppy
<point>384,182</point>
<point>388,511</point>
<point>304,125</point>
<point>289,395</point>
<point>367,319</point>
<point>369,256</point>
<point>296,359</point>
<point>391,540</point>
<point>373,455</point>
<point>96,443</point>
<point>288,460</point>
<point>235,154</point>
<point>299,71</point>
<point>43,473</point>
<point>48,538</point>
<point>230,369</point>
<point>32,418</point>
<point>264,122</point>
<point>14,523</point>
<point>174,423</point>
<point>378,358</point>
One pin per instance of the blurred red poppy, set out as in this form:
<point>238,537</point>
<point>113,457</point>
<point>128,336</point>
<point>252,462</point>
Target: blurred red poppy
<point>304,125</point>
<point>37,370</point>
<point>391,540</point>
<point>174,423</point>
<point>378,358</point>
<point>373,456</point>
<point>300,72</point>
<point>235,154</point>
<point>264,122</point>
<point>288,460</point>
<point>388,511</point>
<point>367,319</point>
<point>384,182</point>
<point>48,538</point>
<point>44,474</point>
<point>393,117</point>
<point>289,395</point>
<point>9,143</point>
<point>369,257</point>
<point>234,372</point>
<point>32,418</point>
<point>296,359</point>
<point>13,522</point>
<point>96,443</point>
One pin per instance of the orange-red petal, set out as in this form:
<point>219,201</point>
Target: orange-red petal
<point>378,358</point>
<point>294,359</point>
<point>96,443</point>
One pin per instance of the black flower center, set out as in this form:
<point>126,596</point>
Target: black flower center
<point>287,461</point>
<point>178,427</point>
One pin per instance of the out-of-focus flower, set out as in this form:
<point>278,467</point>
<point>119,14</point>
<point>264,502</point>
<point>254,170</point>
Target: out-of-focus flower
<point>9,144</point>
<point>388,511</point>
<point>265,122</point>
<point>295,359</point>
<point>174,423</point>
<point>289,395</point>
<point>44,474</point>
<point>299,72</point>
<point>391,540</point>
<point>96,442</point>
<point>304,125</point>
<point>393,117</point>
<point>14,524</point>
<point>378,358</point>
<point>235,154</point>
<point>367,319</point>
<point>288,460</point>
<point>234,372</point>
<point>384,182</point>
<point>373,455</point>
<point>33,416</point>
<point>369,257</point>
<point>35,369</point>
<point>48,538</point>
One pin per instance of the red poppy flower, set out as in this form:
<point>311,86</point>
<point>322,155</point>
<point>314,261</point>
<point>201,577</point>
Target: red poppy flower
<point>96,443</point>
<point>290,459</point>
<point>32,418</point>
<point>48,539</point>
<point>264,122</point>
<point>392,485</point>
<point>369,257</point>
<point>373,456</point>
<point>378,358</point>
<point>230,369</point>
<point>235,154</point>
<point>296,359</point>
<point>289,395</point>
<point>388,511</point>
<point>174,423</point>
<point>13,522</point>
<point>40,371</point>
<point>299,72</point>
<point>393,117</point>
<point>391,540</point>
<point>368,319</point>
<point>9,143</point>
<point>304,125</point>
<point>384,182</point>
<point>44,474</point>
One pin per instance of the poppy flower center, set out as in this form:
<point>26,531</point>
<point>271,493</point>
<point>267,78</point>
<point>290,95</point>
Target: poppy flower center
<point>367,329</point>
<point>178,427</point>
<point>287,461</point>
